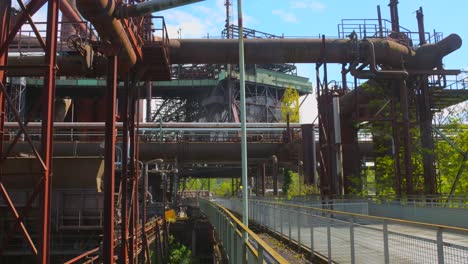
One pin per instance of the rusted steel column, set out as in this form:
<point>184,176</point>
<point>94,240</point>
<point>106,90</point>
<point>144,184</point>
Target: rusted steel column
<point>48,96</point>
<point>427,141</point>
<point>109,161</point>
<point>421,30</point>
<point>133,229</point>
<point>406,136</point>
<point>379,18</point>
<point>351,156</point>
<point>425,120</point>
<point>149,96</point>
<point>396,145</point>
<point>123,255</point>
<point>308,149</point>
<point>394,15</point>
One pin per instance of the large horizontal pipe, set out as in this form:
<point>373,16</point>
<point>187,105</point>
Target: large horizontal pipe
<point>148,7</point>
<point>300,50</point>
<point>264,51</point>
<point>101,125</point>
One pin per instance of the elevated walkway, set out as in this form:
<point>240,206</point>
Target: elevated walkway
<point>344,237</point>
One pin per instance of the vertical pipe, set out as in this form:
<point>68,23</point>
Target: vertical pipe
<point>149,96</point>
<point>339,179</point>
<point>48,96</point>
<point>124,178</point>
<point>109,158</point>
<point>406,136</point>
<point>245,204</point>
<point>394,15</point>
<point>421,30</point>
<point>379,15</point>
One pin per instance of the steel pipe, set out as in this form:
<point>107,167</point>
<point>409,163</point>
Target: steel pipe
<point>257,51</point>
<point>146,8</point>
<point>100,14</point>
<point>300,50</point>
<point>101,125</point>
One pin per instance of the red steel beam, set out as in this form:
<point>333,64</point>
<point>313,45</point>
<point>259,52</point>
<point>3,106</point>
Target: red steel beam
<point>33,25</point>
<point>31,9</point>
<point>22,126</point>
<point>109,161</point>
<point>133,172</point>
<point>20,132</point>
<point>17,218</point>
<point>123,256</point>
<point>5,8</point>
<point>48,96</point>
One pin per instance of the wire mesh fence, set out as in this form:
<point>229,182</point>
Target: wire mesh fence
<point>344,237</point>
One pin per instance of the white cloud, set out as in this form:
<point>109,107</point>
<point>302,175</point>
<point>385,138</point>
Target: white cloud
<point>285,16</point>
<point>197,22</point>
<point>315,5</point>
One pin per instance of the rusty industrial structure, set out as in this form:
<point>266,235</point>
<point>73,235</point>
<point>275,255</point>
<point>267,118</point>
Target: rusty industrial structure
<point>80,161</point>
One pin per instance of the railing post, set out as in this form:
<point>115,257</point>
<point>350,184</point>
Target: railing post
<point>299,229</point>
<point>440,246</point>
<point>234,256</point>
<point>260,255</point>
<point>385,237</point>
<point>312,240</point>
<point>351,240</point>
<point>329,238</point>
<point>290,227</point>
<point>274,218</point>
<point>281,219</point>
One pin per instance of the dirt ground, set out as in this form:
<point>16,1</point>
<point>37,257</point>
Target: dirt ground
<point>283,250</point>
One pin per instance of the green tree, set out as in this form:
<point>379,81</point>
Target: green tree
<point>179,254</point>
<point>290,105</point>
<point>449,160</point>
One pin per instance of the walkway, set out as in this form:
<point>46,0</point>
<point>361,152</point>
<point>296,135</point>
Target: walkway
<point>356,238</point>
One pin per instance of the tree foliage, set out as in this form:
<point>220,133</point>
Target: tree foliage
<point>290,105</point>
<point>449,160</point>
<point>293,186</point>
<point>178,253</point>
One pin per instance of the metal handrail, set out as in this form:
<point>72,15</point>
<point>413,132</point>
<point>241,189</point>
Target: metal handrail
<point>355,238</point>
<point>370,217</point>
<point>229,230</point>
